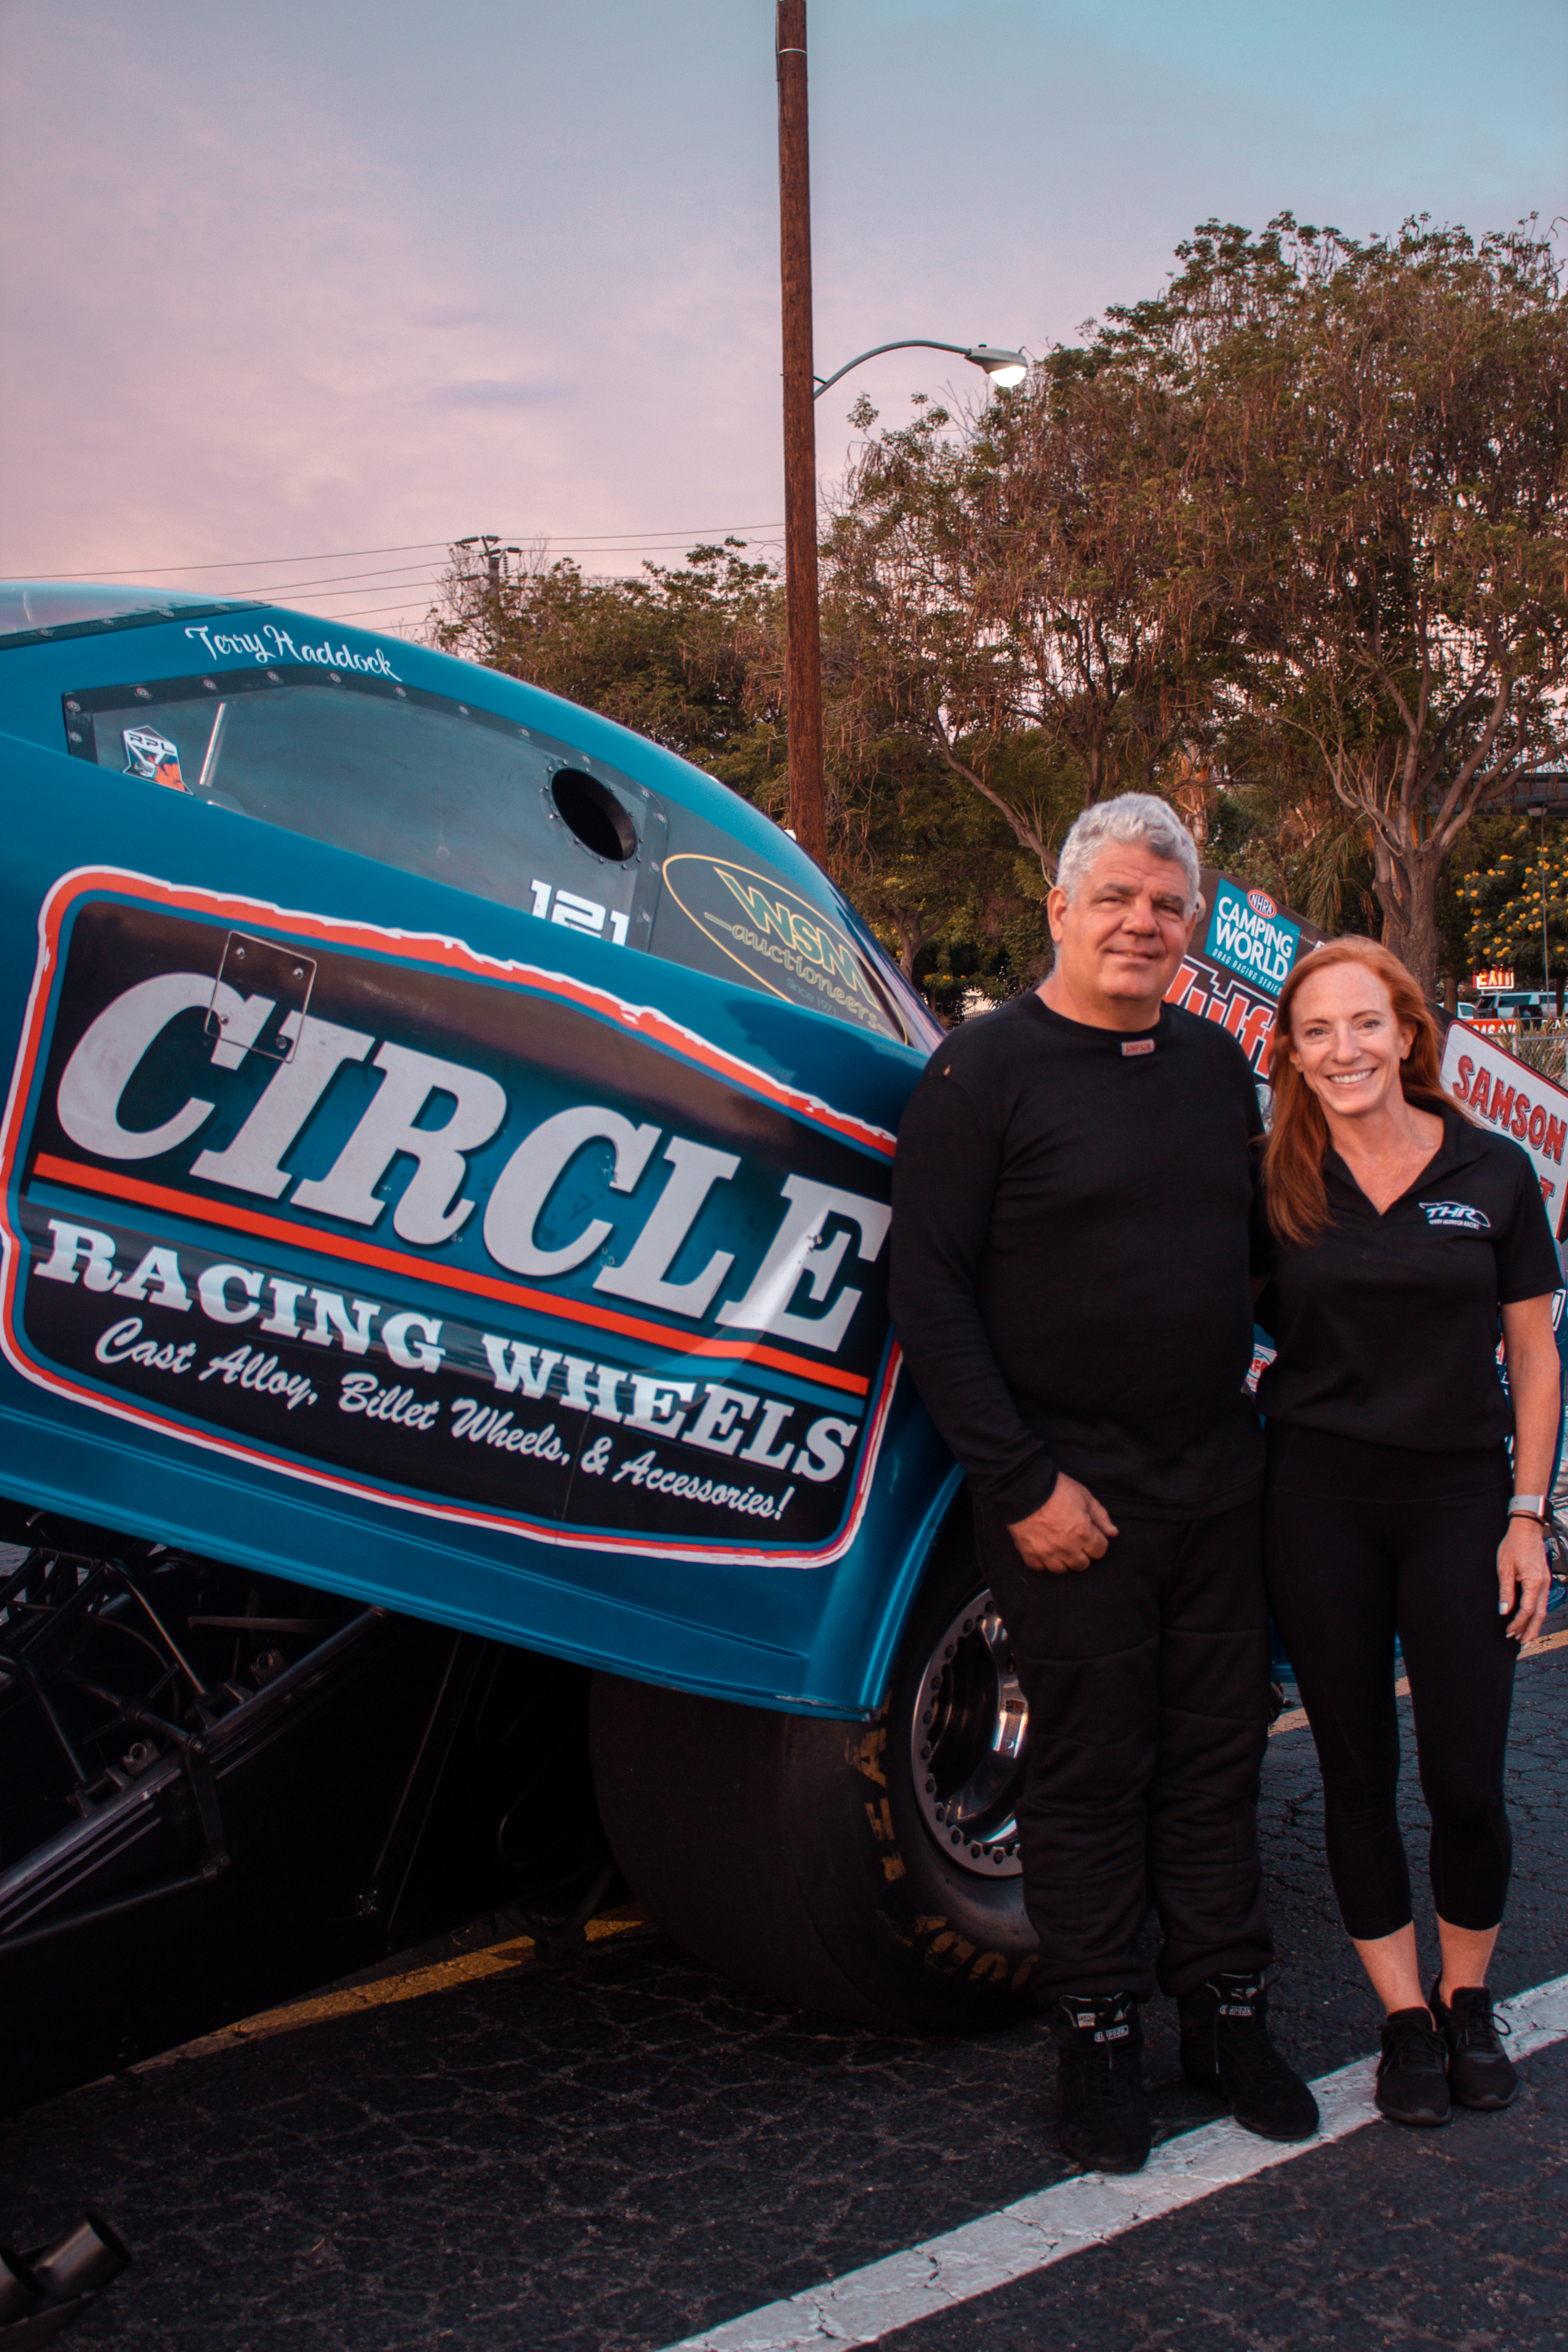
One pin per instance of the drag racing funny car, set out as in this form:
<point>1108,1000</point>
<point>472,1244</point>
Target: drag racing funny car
<point>448,1414</point>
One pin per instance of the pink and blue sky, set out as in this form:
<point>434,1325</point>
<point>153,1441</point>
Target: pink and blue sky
<point>287,281</point>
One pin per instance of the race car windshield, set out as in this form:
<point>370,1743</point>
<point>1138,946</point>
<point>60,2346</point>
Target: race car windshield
<point>463,797</point>
<point>413,779</point>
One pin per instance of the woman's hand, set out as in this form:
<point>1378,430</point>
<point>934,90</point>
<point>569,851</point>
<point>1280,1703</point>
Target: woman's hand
<point>1523,1578</point>
<point>1535,1385</point>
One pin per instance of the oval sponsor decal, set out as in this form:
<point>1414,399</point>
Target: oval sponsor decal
<point>781,941</point>
<point>1262,904</point>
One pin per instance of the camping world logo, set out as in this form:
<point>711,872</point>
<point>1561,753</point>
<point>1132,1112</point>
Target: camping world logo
<point>1247,935</point>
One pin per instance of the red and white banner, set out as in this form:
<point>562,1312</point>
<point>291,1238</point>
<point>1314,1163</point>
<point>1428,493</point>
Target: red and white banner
<point>1509,1095</point>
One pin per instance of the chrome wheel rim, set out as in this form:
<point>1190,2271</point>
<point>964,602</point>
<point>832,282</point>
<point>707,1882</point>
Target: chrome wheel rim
<point>968,1741</point>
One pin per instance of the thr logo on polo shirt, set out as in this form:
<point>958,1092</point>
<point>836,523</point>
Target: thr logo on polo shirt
<point>1461,1213</point>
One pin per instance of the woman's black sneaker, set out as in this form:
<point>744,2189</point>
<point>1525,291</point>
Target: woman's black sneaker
<point>1104,2116</point>
<point>1412,2072</point>
<point>1480,2072</point>
<point>1225,2051</point>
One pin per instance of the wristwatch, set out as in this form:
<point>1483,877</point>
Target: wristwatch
<point>1529,1507</point>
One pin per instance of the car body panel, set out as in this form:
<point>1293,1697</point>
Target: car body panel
<point>314,1166</point>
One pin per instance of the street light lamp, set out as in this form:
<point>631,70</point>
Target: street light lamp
<point>1006,369</point>
<point>802,389</point>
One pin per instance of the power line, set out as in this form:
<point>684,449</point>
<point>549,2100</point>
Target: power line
<point>317,590</point>
<point>374,612</point>
<point>329,582</point>
<point>608,539</point>
<point>250,563</point>
<point>329,585</point>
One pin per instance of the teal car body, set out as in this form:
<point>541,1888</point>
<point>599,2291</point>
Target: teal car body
<point>446,1155</point>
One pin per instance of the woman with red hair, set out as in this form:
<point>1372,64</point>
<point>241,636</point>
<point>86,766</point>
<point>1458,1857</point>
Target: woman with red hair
<point>1406,1236</point>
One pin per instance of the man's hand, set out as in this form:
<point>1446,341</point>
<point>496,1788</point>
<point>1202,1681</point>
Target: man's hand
<point>1069,1531</point>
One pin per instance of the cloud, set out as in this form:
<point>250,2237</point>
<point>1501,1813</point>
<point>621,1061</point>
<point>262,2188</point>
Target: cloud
<point>381,276</point>
<point>490,394</point>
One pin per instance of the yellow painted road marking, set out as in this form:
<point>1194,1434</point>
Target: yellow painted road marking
<point>495,1959</point>
<point>351,2001</point>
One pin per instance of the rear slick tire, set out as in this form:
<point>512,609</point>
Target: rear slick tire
<point>840,1866</point>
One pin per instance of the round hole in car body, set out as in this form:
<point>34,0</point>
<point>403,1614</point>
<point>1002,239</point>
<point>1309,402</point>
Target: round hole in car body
<point>594,815</point>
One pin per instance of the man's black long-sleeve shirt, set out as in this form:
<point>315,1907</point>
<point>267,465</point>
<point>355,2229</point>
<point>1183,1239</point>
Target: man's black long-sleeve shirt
<point>1076,1215</point>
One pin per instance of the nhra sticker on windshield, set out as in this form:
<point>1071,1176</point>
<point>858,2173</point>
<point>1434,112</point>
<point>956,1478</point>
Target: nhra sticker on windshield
<point>466,1237</point>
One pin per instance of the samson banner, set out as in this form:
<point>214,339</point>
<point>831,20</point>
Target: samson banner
<point>466,1237</point>
<point>1509,1095</point>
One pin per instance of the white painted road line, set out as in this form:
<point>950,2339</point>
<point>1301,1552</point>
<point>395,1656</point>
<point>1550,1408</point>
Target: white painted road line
<point>868,2304</point>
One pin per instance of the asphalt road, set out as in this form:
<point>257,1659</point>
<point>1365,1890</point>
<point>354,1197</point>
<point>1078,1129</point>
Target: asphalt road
<point>609,2152</point>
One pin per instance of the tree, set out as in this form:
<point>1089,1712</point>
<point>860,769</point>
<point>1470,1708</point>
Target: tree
<point>996,576</point>
<point>1297,527</point>
<point>1273,820</point>
<point>1375,487</point>
<point>1518,882</point>
<point>939,874</point>
<point>682,654</point>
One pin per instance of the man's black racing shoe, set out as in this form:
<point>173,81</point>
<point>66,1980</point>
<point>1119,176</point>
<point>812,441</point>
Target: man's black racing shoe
<point>1480,2072</point>
<point>1412,2072</point>
<point>1104,2119</point>
<point>1225,2051</point>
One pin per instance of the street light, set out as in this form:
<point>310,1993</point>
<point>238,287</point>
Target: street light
<point>802,389</point>
<point>1004,369</point>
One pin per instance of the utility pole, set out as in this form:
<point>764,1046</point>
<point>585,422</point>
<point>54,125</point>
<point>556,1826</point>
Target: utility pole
<point>495,556</point>
<point>803,677</point>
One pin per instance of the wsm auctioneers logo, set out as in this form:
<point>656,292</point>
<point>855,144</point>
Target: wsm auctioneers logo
<point>1248,935</point>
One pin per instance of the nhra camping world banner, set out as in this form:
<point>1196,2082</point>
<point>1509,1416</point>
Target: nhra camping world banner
<point>1239,960</point>
<point>469,1237</point>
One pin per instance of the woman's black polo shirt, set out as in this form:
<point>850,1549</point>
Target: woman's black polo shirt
<point>1387,1325</point>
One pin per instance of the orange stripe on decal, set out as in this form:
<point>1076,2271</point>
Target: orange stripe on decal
<point>644,1021</point>
<point>115,1186</point>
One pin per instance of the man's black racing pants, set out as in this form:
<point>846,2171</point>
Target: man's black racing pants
<point>1147,1679</point>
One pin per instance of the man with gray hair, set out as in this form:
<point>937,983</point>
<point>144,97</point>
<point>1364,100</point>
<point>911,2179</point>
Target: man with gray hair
<point>1077,1218</point>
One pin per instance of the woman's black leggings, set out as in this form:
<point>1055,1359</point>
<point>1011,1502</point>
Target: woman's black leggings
<point>1362,1542</point>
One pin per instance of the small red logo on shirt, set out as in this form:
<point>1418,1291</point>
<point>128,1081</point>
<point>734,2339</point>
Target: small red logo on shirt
<point>1139,1045</point>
